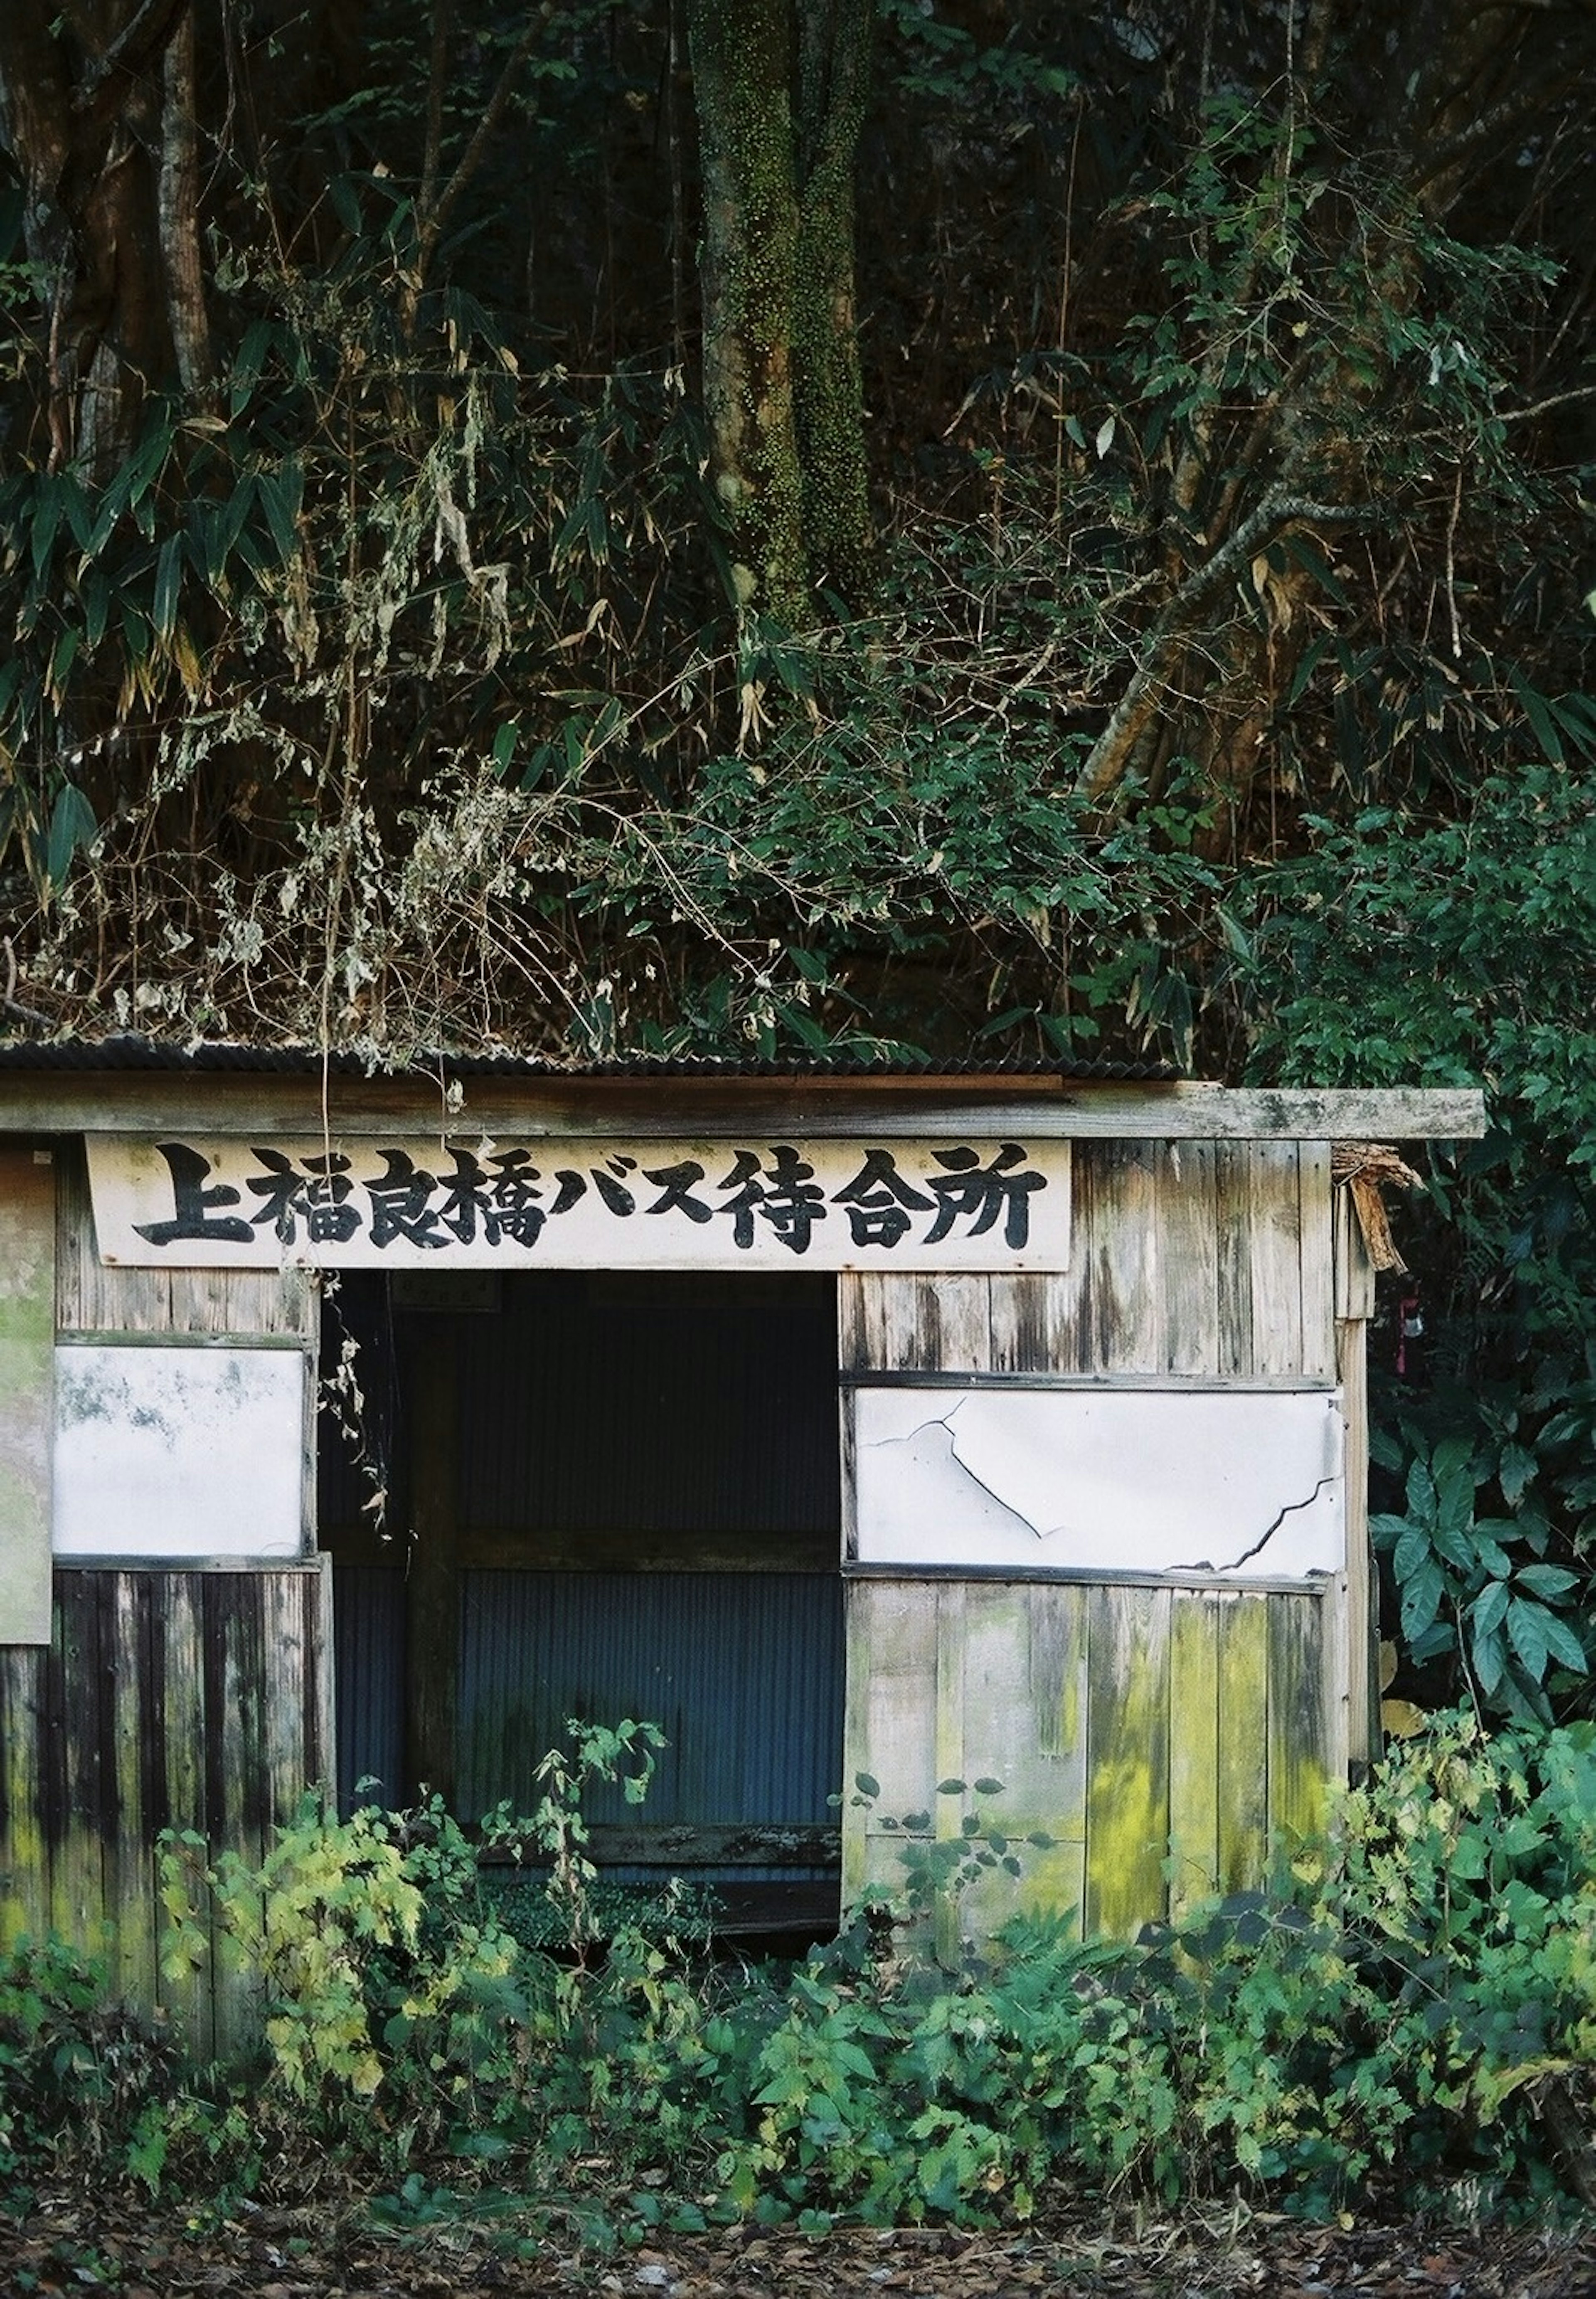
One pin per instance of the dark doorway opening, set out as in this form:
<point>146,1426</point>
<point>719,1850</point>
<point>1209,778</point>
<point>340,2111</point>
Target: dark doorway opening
<point>607,1496</point>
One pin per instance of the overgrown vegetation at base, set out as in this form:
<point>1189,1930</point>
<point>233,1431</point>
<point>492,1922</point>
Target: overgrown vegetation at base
<point>1417,1999</point>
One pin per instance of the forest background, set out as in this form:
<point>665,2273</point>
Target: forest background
<point>886,528</point>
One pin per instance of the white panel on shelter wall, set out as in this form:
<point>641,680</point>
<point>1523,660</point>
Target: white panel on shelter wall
<point>1244,1484</point>
<point>179,1452</point>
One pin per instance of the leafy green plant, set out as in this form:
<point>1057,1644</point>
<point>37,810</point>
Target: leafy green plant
<point>1478,1586</point>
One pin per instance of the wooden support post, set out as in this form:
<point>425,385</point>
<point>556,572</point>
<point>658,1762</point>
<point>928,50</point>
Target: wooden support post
<point>432,1579</point>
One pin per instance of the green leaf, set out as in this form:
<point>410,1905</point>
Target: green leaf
<point>1490,1659</point>
<point>1549,1581</point>
<point>72,825</point>
<point>168,578</point>
<point>1541,723</point>
<point>1421,1600</point>
<point>1514,1472</point>
<point>867,1784</point>
<point>1490,1607</point>
<point>1413,1552</point>
<point>1563,1644</point>
<point>1526,1635</point>
<point>280,492</point>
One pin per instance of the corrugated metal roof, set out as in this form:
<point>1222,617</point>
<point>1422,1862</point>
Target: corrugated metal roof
<point>129,1052</point>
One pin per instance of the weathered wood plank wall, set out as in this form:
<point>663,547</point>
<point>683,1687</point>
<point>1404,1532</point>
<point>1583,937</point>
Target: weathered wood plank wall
<point>165,1699</point>
<point>1164,1737</point>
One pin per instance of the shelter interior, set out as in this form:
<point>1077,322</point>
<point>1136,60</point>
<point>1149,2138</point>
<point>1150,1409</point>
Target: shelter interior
<point>597,1495</point>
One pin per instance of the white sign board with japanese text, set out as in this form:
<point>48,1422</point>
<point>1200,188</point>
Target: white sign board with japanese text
<point>416,1204</point>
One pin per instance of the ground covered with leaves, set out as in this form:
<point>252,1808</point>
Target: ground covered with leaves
<point>68,2243</point>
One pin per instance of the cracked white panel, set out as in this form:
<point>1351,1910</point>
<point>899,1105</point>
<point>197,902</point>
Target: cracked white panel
<point>179,1452</point>
<point>1241,1483</point>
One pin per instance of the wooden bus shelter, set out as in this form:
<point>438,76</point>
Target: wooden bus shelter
<point>1000,1427</point>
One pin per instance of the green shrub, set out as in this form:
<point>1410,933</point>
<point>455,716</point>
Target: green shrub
<point>1418,2001</point>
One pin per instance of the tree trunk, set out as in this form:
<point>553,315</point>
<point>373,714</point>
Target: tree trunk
<point>833,83</point>
<point>779,116</point>
<point>83,105</point>
<point>741,54</point>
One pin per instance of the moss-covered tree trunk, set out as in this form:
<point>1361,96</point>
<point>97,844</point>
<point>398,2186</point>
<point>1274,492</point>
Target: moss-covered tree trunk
<point>833,52</point>
<point>742,76</point>
<point>780,104</point>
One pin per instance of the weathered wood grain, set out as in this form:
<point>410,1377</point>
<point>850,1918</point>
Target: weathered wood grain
<point>1194,1752</point>
<point>1362,1632</point>
<point>166,1699</point>
<point>130,1855</point>
<point>1296,1710</point>
<point>1274,1251</point>
<point>1233,1217</point>
<point>948,1807</point>
<point>1124,1305</point>
<point>1354,1271</point>
<point>27,1393</point>
<point>1128,1758</point>
<point>1316,1258</point>
<point>1243,1623</point>
<point>149,1102</point>
<point>24,1853</point>
<point>1189,1255</point>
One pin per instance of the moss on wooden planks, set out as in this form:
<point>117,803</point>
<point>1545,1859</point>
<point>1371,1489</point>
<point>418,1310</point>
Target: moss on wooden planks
<point>1164,1738</point>
<point>27,1393</point>
<point>179,1698</point>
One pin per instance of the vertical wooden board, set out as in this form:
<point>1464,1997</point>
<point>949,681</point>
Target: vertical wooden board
<point>999,1729</point>
<point>1124,1309</point>
<point>858,1322</point>
<point>178,1697</point>
<point>130,1862</point>
<point>1242,1768</point>
<point>857,1678</point>
<point>1354,1271</point>
<point>1054,1878</point>
<point>1057,1614</point>
<point>24,1853</point>
<point>27,1393</point>
<point>1275,1251</point>
<point>287,1656</point>
<point>1193,1747</point>
<point>432,1574</point>
<point>79,1909</point>
<point>890,1722</point>
<point>1297,1777</point>
<point>1128,1758</point>
<point>1189,1245</point>
<point>1022,1337</point>
<point>1362,1637</point>
<point>948,1811</point>
<point>320,1728</point>
<point>235,1703</point>
<point>1317,1246</point>
<point>958,1311</point>
<point>1232,1213</point>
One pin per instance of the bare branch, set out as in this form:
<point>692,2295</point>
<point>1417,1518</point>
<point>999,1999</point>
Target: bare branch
<point>471,158</point>
<point>1110,753</point>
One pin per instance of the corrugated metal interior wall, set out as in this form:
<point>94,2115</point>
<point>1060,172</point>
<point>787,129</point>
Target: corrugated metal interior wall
<point>647,1496</point>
